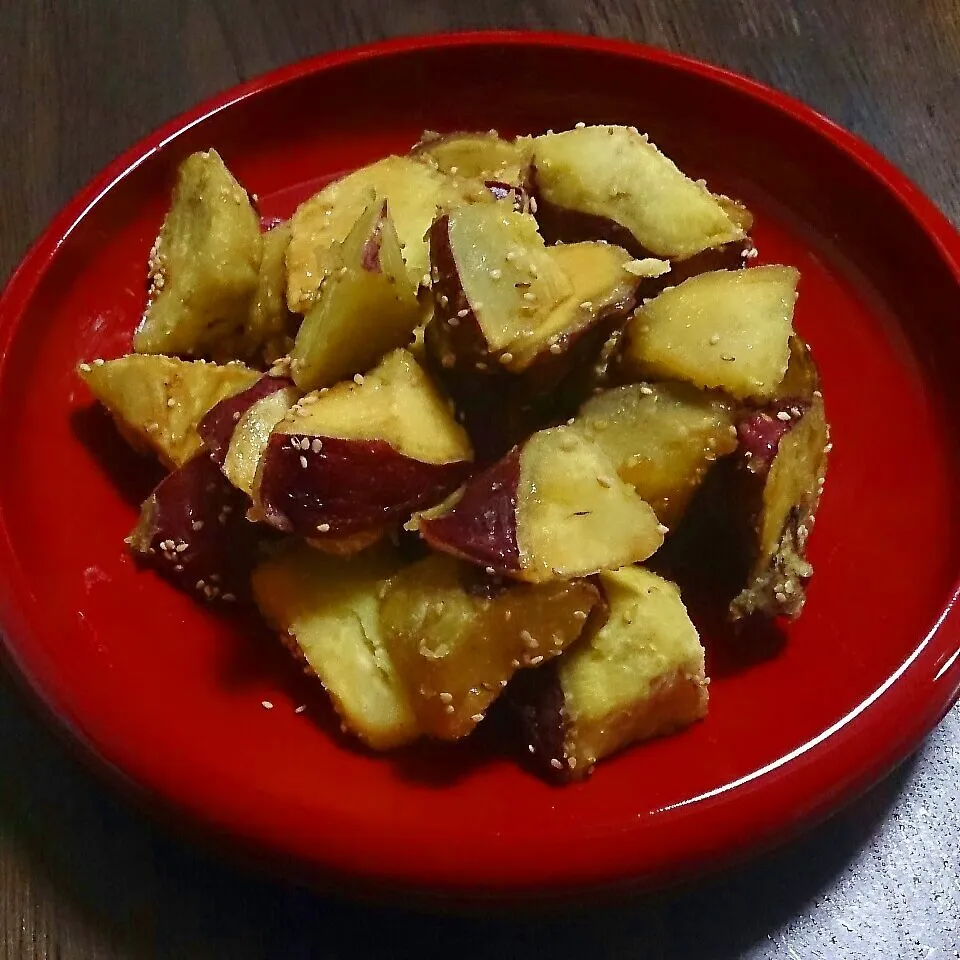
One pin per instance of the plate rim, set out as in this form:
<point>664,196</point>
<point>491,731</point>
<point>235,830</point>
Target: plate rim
<point>917,667</point>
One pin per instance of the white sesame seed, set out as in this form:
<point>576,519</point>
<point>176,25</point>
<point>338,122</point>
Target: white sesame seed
<point>556,764</point>
<point>533,204</point>
<point>663,528</point>
<point>463,313</point>
<point>323,528</point>
<point>99,362</point>
<point>316,445</point>
<point>490,571</point>
<point>529,295</point>
<point>446,697</point>
<point>302,706</point>
<point>714,338</point>
<point>506,357</point>
<point>496,273</point>
<point>586,305</point>
<point>605,481</point>
<point>171,402</point>
<point>358,378</point>
<point>200,585</point>
<point>229,597</point>
<point>783,416</point>
<point>85,368</point>
<point>579,125</point>
<point>182,547</point>
<point>449,708</point>
<point>303,461</point>
<point>511,256</point>
<point>556,349</point>
<point>477,717</point>
<point>646,391</point>
<point>580,614</point>
<point>828,448</point>
<point>266,704</point>
<point>572,762</point>
<point>530,748</point>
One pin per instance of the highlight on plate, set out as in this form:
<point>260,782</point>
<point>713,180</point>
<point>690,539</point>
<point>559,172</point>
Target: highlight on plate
<point>455,426</point>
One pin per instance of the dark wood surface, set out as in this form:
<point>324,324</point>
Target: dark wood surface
<point>83,876</point>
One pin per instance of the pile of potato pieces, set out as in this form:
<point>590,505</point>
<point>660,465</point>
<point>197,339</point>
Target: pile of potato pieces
<point>434,423</point>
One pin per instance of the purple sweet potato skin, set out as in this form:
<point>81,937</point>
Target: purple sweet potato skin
<point>482,525</point>
<point>328,487</point>
<point>193,530</point>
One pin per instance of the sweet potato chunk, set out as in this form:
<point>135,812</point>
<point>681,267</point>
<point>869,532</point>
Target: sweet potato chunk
<point>481,156</point>
<point>204,267</point>
<point>728,329</point>
<point>193,531</point>
<point>414,190</point>
<point>780,483</point>
<point>352,458</point>
<point>455,638</point>
<point>157,402</point>
<point>611,183</point>
<point>554,509</point>
<point>364,309</point>
<point>638,675</point>
<point>662,437</point>
<point>328,610</point>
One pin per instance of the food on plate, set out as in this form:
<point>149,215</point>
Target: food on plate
<point>635,674</point>
<point>192,530</point>
<point>662,438</point>
<point>551,509</point>
<point>361,454</point>
<point>466,407</point>
<point>204,267</point>
<point>327,610</point>
<point>480,156</point>
<point>728,329</point>
<point>455,636</point>
<point>158,402</point>
<point>612,183</point>
<point>413,188</point>
<point>365,308</point>
<point>779,481</point>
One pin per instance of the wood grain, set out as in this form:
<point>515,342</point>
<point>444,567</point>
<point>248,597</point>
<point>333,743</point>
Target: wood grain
<point>83,876</point>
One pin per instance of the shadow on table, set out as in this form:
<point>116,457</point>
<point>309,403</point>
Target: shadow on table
<point>109,870</point>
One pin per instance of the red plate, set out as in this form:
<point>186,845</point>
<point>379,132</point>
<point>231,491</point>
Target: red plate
<point>169,697</point>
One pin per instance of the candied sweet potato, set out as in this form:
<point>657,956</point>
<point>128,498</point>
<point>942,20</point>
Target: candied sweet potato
<point>481,156</point>
<point>352,458</point>
<point>662,437</point>
<point>635,675</point>
<point>414,190</point>
<point>157,402</point>
<point>204,267</point>
<point>785,454</point>
<point>270,327</point>
<point>365,308</point>
<point>192,529</point>
<point>328,610</point>
<point>455,638</point>
<point>552,509</point>
<point>729,329</point>
<point>611,183</point>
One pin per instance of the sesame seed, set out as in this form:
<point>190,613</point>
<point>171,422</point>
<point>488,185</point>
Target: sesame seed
<point>728,358</point>
<point>229,597</point>
<point>266,704</point>
<point>572,762</point>
<point>316,445</point>
<point>783,416</point>
<point>178,567</point>
<point>152,426</point>
<point>85,367</point>
<point>358,378</point>
<point>533,204</point>
<point>446,697</point>
<point>303,461</point>
<point>171,402</point>
<point>530,747</point>
<point>454,322</point>
<point>302,706</point>
<point>715,338</point>
<point>535,660</point>
<point>463,313</point>
<point>449,708</point>
<point>828,448</point>
<point>556,764</point>
<point>425,280</point>
<point>490,571</point>
<point>586,305</point>
<point>477,717</point>
<point>323,528</point>
<point>511,256</point>
<point>443,300</point>
<point>646,391</point>
<point>663,528</point>
<point>99,362</point>
<point>579,614</point>
<point>529,295</point>
<point>579,125</point>
<point>496,273</point>
<point>182,547</point>
<point>200,585</point>
<point>343,271</point>
<point>506,357</point>
<point>556,349</point>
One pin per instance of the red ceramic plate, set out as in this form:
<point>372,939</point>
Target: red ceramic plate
<point>169,696</point>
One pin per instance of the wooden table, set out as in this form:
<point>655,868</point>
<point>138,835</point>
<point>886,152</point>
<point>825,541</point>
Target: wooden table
<point>82,875</point>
